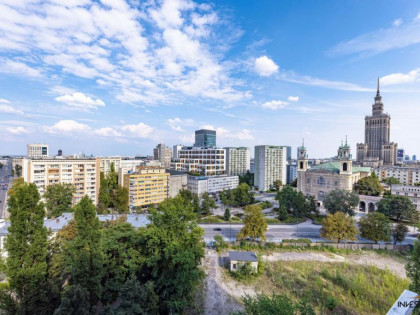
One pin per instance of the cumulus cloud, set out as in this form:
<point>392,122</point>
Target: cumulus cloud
<point>293,98</point>
<point>17,130</point>
<point>80,101</point>
<point>265,67</point>
<point>107,132</point>
<point>7,109</point>
<point>177,124</point>
<point>274,104</point>
<point>401,78</point>
<point>221,132</point>
<point>140,130</point>
<point>67,127</point>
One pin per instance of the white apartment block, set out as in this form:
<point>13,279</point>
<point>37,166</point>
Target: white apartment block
<point>270,165</point>
<point>105,164</point>
<point>238,160</point>
<point>406,175</point>
<point>82,173</point>
<point>211,184</point>
<point>131,163</point>
<point>37,150</point>
<point>206,161</point>
<point>163,154</point>
<point>175,150</point>
<point>411,192</point>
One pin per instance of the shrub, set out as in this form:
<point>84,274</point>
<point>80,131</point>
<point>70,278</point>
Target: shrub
<point>299,240</point>
<point>331,303</point>
<point>219,243</point>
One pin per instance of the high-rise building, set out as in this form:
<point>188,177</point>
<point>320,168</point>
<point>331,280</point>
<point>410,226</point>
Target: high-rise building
<point>163,154</point>
<point>37,150</point>
<point>175,151</point>
<point>205,138</point>
<point>237,160</point>
<point>146,186</point>
<point>105,164</point>
<point>270,166</point>
<point>205,161</point>
<point>83,173</point>
<point>377,147</point>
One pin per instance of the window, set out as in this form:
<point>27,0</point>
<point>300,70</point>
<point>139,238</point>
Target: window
<point>345,167</point>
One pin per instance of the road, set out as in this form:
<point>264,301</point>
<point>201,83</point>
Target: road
<point>4,179</point>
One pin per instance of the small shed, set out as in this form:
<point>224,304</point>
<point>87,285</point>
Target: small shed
<point>237,259</point>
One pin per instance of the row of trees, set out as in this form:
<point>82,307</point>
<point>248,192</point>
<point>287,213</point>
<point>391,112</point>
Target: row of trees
<point>88,267</point>
<point>238,197</point>
<point>193,200</point>
<point>374,226</point>
<point>294,203</point>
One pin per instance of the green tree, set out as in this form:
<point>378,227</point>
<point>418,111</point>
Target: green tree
<point>277,184</point>
<point>294,183</point>
<point>226,215</point>
<point>282,215</point>
<point>121,199</point>
<point>338,227</point>
<point>122,258</point>
<point>399,232</point>
<point>375,227</point>
<point>417,184</point>
<point>16,183</point>
<point>340,200</point>
<point>59,198</point>
<point>190,200</point>
<point>137,298</point>
<point>75,301</point>
<point>286,197</point>
<point>174,249</point>
<point>219,243</point>
<point>413,268</point>
<point>207,203</point>
<point>104,199</point>
<point>391,181</point>
<point>243,195</point>
<point>247,178</point>
<point>369,186</point>
<point>112,177</point>
<point>18,170</point>
<point>398,208</point>
<point>255,224</point>
<point>265,305</point>
<point>85,251</point>
<point>295,202</point>
<point>26,244</point>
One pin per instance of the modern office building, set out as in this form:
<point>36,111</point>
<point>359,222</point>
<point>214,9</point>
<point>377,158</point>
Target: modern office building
<point>177,181</point>
<point>325,177</point>
<point>37,150</point>
<point>146,186</point>
<point>211,184</point>
<point>410,191</point>
<point>377,149</point>
<point>205,138</point>
<point>407,175</point>
<point>205,161</point>
<point>83,173</point>
<point>400,155</point>
<point>175,150</point>
<point>163,154</point>
<point>270,166</point>
<point>237,160</point>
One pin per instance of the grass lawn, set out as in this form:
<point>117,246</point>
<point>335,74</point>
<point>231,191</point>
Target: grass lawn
<point>356,289</point>
<point>317,218</point>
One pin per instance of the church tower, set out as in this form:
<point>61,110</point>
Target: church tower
<point>345,157</point>
<point>302,158</point>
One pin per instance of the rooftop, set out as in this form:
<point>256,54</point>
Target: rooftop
<point>243,256</point>
<point>334,167</point>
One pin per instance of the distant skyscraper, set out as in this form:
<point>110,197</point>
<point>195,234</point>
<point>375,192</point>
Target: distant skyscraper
<point>377,145</point>
<point>163,154</point>
<point>205,138</point>
<point>400,155</point>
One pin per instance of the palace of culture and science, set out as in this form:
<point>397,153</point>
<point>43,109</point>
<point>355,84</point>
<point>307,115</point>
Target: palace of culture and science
<point>377,149</point>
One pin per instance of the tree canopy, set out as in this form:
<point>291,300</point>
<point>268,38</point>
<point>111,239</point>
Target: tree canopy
<point>399,232</point>
<point>239,196</point>
<point>294,202</point>
<point>59,199</point>
<point>398,208</point>
<point>338,227</point>
<point>376,227</point>
<point>391,181</point>
<point>369,186</point>
<point>340,200</point>
<point>255,224</point>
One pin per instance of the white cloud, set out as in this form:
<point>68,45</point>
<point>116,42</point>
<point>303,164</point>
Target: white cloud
<point>274,104</point>
<point>107,132</point>
<point>140,130</point>
<point>293,98</point>
<point>80,101</point>
<point>400,78</point>
<point>397,22</point>
<point>17,130</point>
<point>177,124</point>
<point>265,67</point>
<point>224,133</point>
<point>9,66</point>
<point>397,36</point>
<point>7,109</point>
<point>67,127</point>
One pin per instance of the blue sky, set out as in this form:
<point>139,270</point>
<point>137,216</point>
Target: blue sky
<point>117,77</point>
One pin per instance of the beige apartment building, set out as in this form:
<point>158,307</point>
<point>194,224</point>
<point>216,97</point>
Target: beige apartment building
<point>105,164</point>
<point>147,186</point>
<point>411,192</point>
<point>406,175</point>
<point>237,160</point>
<point>83,173</point>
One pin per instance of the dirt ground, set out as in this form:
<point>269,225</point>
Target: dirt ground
<point>223,294</point>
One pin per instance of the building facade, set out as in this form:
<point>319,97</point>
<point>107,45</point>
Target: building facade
<point>105,164</point>
<point>205,161</point>
<point>82,173</point>
<point>377,147</point>
<point>270,166</point>
<point>211,184</point>
<point>146,186</point>
<point>320,179</point>
<point>163,154</point>
<point>175,150</point>
<point>237,160</point>
<point>406,175</point>
<point>410,191</point>
<point>37,150</point>
<point>177,181</point>
<point>291,171</point>
<point>205,138</point>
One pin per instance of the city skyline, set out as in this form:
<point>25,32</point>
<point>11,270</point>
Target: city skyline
<point>262,73</point>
